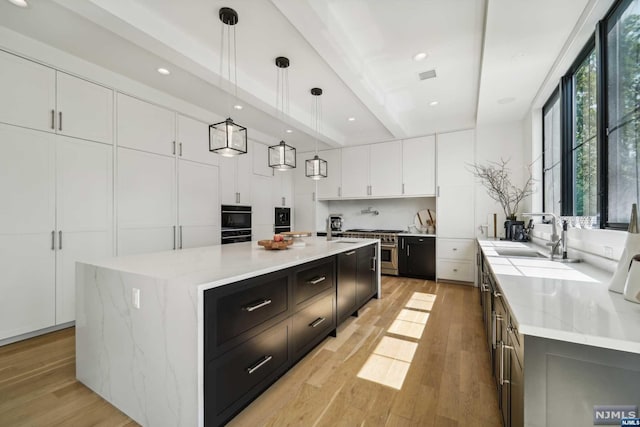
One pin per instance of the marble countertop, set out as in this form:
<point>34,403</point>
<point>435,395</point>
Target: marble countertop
<point>567,302</point>
<point>212,266</point>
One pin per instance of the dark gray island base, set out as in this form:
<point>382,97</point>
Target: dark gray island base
<point>257,329</point>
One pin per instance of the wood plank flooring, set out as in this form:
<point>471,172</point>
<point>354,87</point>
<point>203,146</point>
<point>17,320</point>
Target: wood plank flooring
<point>375,373</point>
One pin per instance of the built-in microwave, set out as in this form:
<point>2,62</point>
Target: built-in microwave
<point>235,224</point>
<point>282,220</point>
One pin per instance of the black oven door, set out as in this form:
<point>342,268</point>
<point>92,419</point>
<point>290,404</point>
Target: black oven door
<point>237,217</point>
<point>282,217</point>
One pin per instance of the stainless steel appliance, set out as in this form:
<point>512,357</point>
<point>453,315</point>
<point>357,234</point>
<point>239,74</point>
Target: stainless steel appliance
<point>235,224</point>
<point>388,247</point>
<point>282,220</point>
<point>335,220</point>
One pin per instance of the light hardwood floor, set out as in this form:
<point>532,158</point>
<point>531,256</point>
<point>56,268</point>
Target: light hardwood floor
<point>375,373</point>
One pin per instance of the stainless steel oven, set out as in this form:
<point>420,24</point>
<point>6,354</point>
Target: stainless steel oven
<point>388,247</point>
<point>235,224</point>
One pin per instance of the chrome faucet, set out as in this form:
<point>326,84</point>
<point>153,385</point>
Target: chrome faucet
<point>555,239</point>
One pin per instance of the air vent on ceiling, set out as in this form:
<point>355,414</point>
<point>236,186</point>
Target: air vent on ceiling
<point>430,74</point>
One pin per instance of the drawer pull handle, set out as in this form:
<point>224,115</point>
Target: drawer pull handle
<point>317,280</point>
<point>255,306</point>
<point>350,253</point>
<point>260,364</point>
<point>317,322</point>
<point>455,270</point>
<point>455,249</point>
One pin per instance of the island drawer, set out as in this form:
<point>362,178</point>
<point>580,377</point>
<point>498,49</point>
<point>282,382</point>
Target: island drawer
<point>244,372</point>
<point>313,323</point>
<point>314,278</point>
<point>235,309</point>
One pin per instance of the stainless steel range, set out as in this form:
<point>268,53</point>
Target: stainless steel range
<point>388,246</point>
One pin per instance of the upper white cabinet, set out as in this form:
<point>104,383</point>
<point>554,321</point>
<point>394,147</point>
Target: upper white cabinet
<point>235,178</point>
<point>455,205</point>
<point>28,93</point>
<point>419,166</point>
<point>355,171</point>
<point>372,170</point>
<point>38,97</point>
<point>193,141</point>
<point>85,109</point>
<point>198,205</point>
<point>330,187</point>
<point>147,127</point>
<point>385,169</point>
<point>261,160</point>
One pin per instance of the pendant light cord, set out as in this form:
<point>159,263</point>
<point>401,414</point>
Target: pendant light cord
<point>235,61</point>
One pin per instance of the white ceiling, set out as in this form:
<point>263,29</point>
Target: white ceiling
<point>359,51</point>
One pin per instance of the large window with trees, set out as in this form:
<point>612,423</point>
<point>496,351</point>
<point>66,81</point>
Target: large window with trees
<point>623,110</point>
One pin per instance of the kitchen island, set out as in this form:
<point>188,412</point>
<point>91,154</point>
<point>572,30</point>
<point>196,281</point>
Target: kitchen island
<point>147,342</point>
<point>559,341</point>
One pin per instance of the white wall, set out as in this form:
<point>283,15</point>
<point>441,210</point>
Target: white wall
<point>395,214</point>
<point>495,142</point>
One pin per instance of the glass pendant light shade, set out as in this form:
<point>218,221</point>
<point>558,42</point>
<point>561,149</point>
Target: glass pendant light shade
<point>316,168</point>
<point>227,138</point>
<point>282,157</point>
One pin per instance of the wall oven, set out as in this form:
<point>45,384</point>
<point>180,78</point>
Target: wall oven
<point>282,220</point>
<point>235,224</point>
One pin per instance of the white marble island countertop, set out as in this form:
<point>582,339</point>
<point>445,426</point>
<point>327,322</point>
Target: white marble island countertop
<point>567,302</point>
<point>212,266</point>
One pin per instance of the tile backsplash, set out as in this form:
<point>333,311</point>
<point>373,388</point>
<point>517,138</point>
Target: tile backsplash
<point>392,213</point>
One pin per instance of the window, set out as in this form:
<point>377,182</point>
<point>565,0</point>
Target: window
<point>584,144</point>
<point>551,157</point>
<point>623,106</point>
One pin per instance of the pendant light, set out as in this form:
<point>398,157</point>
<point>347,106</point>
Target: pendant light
<point>228,138</point>
<point>282,157</point>
<point>316,168</point>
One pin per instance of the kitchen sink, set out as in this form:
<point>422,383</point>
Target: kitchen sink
<point>520,253</point>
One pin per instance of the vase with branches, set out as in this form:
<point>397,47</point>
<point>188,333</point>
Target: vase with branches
<point>496,178</point>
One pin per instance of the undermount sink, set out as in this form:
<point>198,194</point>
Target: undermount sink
<point>520,253</point>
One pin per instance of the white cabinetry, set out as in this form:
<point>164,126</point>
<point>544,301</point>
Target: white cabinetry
<point>193,141</point>
<point>235,178</point>
<point>261,160</point>
<point>198,205</point>
<point>147,127</point>
<point>355,171</point>
<point>455,206</point>
<point>283,188</point>
<point>57,209</point>
<point>146,202</point>
<point>262,214</point>
<point>330,187</point>
<point>372,170</point>
<point>419,166</point>
<point>38,97</point>
<point>304,209</point>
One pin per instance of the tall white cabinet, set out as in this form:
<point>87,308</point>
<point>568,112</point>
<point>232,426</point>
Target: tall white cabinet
<point>455,206</point>
<point>419,166</point>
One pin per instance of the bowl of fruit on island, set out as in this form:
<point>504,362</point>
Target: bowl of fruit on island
<point>278,242</point>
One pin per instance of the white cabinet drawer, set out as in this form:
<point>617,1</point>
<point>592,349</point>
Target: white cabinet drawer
<point>456,249</point>
<point>454,270</point>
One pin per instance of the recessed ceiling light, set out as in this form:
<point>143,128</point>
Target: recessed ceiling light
<point>238,107</point>
<point>419,56</point>
<point>19,3</point>
<point>506,100</point>
<point>289,131</point>
<point>433,103</point>
<point>164,71</point>
<point>352,119</point>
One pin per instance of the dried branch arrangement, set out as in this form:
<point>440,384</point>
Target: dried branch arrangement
<point>495,177</point>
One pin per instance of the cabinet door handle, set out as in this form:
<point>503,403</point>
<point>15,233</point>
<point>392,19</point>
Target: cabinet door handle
<point>180,152</point>
<point>497,294</point>
<point>60,240</point>
<point>317,280</point>
<point>402,242</point>
<point>173,147</point>
<point>317,322</point>
<point>313,196</point>
<point>60,120</point>
<point>438,191</point>
<point>339,191</point>
<point>180,229</point>
<point>408,246</point>
<point>237,197</point>
<point>174,237</point>
<point>455,270</point>
<point>259,364</point>
<point>256,306</point>
<point>53,240</point>
<point>374,263</point>
<point>403,188</point>
<point>493,329</point>
<point>454,249</point>
<point>53,119</point>
<point>284,201</point>
<point>504,347</point>
<point>350,253</point>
